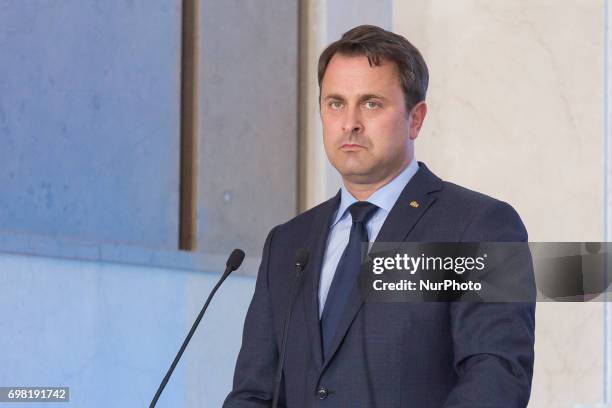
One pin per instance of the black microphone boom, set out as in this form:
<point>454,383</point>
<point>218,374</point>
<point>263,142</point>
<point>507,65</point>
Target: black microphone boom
<point>300,261</point>
<point>233,262</point>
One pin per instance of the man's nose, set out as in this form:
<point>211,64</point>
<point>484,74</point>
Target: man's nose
<point>352,121</point>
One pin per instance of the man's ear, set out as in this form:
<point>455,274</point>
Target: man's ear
<point>417,116</point>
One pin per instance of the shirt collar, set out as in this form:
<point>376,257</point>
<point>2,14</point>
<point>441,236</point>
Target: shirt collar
<point>385,197</point>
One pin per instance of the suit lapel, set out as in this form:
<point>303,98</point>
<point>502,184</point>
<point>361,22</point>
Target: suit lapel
<point>396,228</point>
<point>413,202</point>
<point>316,245</point>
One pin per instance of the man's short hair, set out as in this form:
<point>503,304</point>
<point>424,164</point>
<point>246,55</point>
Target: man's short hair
<point>381,45</point>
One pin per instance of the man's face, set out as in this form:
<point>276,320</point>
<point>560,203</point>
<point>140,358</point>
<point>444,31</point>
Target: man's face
<point>367,133</point>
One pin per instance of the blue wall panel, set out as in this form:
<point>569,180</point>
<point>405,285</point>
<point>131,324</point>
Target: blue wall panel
<point>89,119</point>
<point>110,331</point>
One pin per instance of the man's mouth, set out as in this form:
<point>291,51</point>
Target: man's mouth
<point>350,147</point>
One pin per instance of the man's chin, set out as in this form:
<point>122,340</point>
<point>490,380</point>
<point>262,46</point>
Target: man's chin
<point>359,176</point>
<point>354,168</point>
<point>366,175</point>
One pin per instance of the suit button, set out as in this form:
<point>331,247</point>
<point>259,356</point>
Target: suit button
<point>322,393</point>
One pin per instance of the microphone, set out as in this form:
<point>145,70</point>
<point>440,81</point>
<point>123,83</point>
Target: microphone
<point>233,262</point>
<point>300,261</point>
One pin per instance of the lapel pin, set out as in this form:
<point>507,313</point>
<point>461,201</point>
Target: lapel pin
<point>414,204</point>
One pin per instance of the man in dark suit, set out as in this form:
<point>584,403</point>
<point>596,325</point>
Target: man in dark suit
<point>343,351</point>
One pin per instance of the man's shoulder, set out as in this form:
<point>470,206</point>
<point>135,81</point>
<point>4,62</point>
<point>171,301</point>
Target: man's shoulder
<point>304,222</point>
<point>453,197</point>
<point>480,217</point>
<point>483,214</point>
<point>459,195</point>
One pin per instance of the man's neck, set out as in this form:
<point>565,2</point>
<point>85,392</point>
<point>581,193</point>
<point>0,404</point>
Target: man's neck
<point>362,191</point>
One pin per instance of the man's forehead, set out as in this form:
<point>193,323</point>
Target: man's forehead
<point>346,62</point>
<point>355,75</point>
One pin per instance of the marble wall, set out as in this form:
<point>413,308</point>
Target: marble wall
<point>515,111</point>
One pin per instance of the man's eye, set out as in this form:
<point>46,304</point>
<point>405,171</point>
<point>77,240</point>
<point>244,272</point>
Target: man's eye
<point>371,105</point>
<point>335,105</point>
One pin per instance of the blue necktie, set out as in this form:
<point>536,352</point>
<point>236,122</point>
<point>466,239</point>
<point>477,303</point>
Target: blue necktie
<point>346,273</point>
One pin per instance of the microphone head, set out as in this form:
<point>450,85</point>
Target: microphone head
<point>301,258</point>
<point>235,259</point>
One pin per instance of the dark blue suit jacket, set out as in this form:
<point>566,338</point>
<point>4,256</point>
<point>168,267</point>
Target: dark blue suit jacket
<point>421,355</point>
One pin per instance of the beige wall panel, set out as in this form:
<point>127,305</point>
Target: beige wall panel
<point>516,104</point>
<point>516,100</point>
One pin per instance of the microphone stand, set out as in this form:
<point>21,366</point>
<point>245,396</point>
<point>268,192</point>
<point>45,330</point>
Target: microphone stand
<point>300,263</point>
<point>234,261</point>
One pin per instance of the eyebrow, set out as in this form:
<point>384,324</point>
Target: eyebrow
<point>361,98</point>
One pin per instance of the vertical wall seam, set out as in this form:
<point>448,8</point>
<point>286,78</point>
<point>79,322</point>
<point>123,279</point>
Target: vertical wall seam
<point>189,126</point>
<point>607,112</point>
<point>302,146</point>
